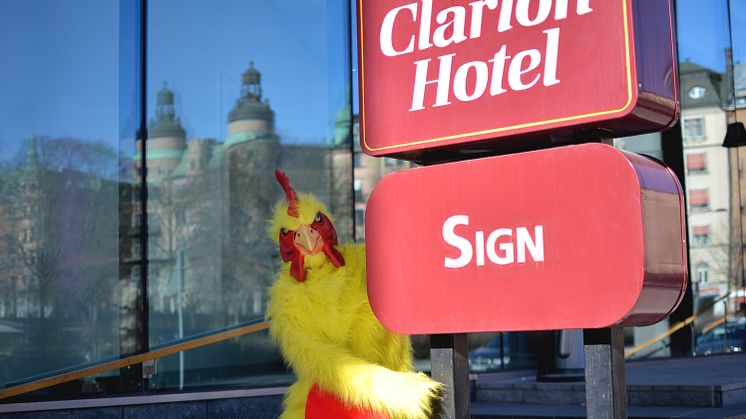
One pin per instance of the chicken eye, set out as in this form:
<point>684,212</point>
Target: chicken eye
<point>317,218</point>
<point>284,230</point>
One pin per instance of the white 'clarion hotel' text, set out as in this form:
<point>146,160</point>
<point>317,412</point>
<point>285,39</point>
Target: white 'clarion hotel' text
<point>522,67</point>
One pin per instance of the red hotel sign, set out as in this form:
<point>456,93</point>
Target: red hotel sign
<point>500,73</point>
<point>573,237</point>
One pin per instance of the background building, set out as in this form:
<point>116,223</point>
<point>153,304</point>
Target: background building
<point>703,122</point>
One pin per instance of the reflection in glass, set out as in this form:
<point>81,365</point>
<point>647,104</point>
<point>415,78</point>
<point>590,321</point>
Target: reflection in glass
<point>710,81</point>
<point>65,210</point>
<point>232,104</point>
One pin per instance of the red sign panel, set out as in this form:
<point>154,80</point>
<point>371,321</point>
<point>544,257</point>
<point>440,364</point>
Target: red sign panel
<point>466,75</point>
<point>527,242</point>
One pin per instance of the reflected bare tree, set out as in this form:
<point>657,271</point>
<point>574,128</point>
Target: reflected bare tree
<point>59,234</point>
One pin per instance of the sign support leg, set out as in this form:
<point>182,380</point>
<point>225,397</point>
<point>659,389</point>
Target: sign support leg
<point>605,381</point>
<point>449,354</point>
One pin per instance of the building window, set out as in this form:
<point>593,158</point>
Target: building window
<point>702,272</point>
<point>359,217</point>
<point>696,163</point>
<point>699,199</point>
<point>697,92</point>
<point>694,128</point>
<point>701,235</point>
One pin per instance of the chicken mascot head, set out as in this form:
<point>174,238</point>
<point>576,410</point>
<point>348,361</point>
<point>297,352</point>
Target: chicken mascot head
<point>347,364</point>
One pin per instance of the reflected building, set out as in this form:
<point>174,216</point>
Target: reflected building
<point>704,98</point>
<point>340,163</point>
<point>368,171</point>
<point>22,296</point>
<point>58,281</point>
<point>209,202</point>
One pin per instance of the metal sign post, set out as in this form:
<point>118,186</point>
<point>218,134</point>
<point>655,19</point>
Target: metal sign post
<point>449,354</point>
<point>605,378</point>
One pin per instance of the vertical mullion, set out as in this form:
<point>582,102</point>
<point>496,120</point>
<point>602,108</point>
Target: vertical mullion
<point>350,13</point>
<point>672,147</point>
<point>145,315</point>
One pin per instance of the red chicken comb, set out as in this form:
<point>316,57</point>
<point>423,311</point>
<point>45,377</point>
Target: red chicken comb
<point>289,193</point>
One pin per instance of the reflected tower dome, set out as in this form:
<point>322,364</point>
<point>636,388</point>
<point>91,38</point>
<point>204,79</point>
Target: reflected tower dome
<point>251,118</point>
<point>166,138</point>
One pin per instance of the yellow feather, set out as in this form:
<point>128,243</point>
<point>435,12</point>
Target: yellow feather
<point>329,335</point>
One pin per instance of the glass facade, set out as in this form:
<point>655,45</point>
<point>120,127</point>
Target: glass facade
<point>68,114</point>
<point>136,165</point>
<point>232,93</point>
<point>711,68</point>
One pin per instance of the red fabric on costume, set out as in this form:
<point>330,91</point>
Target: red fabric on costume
<point>323,405</point>
<point>328,234</point>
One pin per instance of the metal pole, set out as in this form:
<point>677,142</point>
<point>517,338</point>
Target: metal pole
<point>605,382</point>
<point>449,354</point>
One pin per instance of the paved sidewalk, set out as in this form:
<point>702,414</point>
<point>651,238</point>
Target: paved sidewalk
<point>515,411</point>
<point>702,387</point>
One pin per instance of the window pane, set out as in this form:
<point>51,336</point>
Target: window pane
<point>695,163</point>
<point>698,198</point>
<point>707,81</point>
<point>694,128</point>
<point>236,90</point>
<point>68,114</point>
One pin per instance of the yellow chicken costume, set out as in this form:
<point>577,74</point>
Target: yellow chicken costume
<point>347,364</point>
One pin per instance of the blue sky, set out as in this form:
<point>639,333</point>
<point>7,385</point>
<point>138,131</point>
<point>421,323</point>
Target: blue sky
<point>50,80</point>
<point>66,65</point>
<point>703,31</point>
